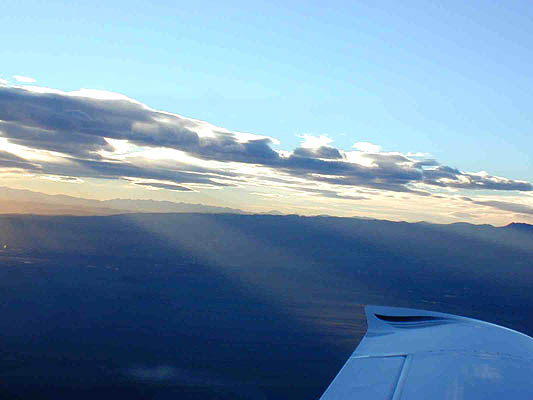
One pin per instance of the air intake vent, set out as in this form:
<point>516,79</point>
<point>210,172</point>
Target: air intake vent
<point>412,321</point>
<point>408,318</point>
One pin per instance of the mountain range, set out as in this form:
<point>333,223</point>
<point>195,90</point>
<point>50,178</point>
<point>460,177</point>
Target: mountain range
<point>17,201</point>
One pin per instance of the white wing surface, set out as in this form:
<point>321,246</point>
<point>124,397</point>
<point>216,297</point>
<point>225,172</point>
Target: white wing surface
<point>411,354</point>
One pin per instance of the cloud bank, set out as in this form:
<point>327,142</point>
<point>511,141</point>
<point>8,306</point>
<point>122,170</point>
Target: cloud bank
<point>95,134</point>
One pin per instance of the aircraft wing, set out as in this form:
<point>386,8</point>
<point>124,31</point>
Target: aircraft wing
<point>411,354</point>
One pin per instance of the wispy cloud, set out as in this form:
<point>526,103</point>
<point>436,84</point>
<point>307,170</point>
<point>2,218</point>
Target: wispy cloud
<point>507,206</point>
<point>24,79</point>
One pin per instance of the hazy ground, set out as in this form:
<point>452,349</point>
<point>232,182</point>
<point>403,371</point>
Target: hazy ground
<point>230,306</point>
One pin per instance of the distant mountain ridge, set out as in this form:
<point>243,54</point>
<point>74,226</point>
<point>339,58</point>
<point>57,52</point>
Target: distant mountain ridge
<point>520,226</point>
<point>21,201</point>
<point>239,237</point>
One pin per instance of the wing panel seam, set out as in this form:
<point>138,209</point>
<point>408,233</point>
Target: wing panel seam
<point>402,377</point>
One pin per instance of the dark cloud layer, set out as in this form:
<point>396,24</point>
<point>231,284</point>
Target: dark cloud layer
<point>321,152</point>
<point>507,206</point>
<point>75,144</point>
<point>9,160</point>
<point>157,185</point>
<point>76,127</point>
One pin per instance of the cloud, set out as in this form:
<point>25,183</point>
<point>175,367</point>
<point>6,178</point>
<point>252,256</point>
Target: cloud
<point>101,134</point>
<point>9,160</point>
<point>464,215</point>
<point>158,185</point>
<point>325,152</point>
<point>24,79</point>
<point>313,142</point>
<point>68,179</point>
<point>507,206</point>
<point>269,195</point>
<point>332,194</point>
<point>418,154</point>
<point>367,147</point>
<point>3,81</point>
<point>34,137</point>
<point>450,177</point>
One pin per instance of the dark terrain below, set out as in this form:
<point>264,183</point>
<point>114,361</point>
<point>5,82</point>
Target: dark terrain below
<point>221,306</point>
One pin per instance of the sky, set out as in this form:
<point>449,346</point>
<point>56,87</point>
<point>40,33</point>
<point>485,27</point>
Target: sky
<point>398,110</point>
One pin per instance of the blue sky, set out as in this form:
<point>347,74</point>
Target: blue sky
<point>452,79</point>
